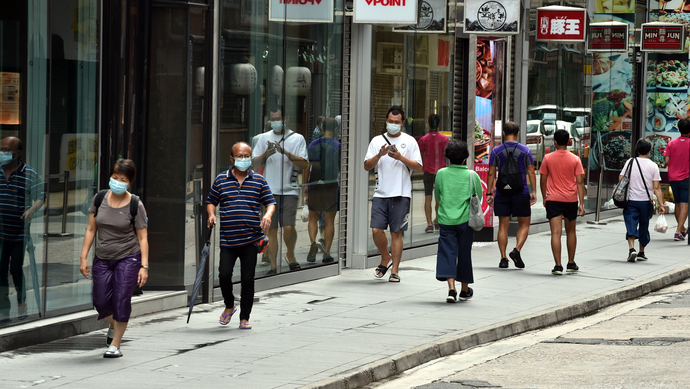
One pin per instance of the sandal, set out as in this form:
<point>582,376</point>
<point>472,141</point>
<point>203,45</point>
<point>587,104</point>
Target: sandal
<point>227,317</point>
<point>294,266</point>
<point>23,313</point>
<point>244,325</point>
<point>382,270</point>
<point>394,278</point>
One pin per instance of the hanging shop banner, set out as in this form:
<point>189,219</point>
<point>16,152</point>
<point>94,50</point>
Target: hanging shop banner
<point>608,37</point>
<point>497,17</point>
<point>303,11</point>
<point>432,18</point>
<point>9,98</point>
<point>400,12</point>
<point>663,37</point>
<point>561,24</point>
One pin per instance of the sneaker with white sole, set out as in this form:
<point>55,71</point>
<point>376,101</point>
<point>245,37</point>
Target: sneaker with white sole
<point>641,257</point>
<point>112,352</point>
<point>632,255</point>
<point>452,296</point>
<point>109,336</point>
<point>557,270</point>
<point>464,296</point>
<point>571,268</point>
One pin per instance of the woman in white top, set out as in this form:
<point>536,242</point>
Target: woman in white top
<point>644,179</point>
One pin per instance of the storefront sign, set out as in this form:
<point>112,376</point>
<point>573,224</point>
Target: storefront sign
<point>304,11</point>
<point>400,12</point>
<point>9,98</point>
<point>499,17</point>
<point>432,18</point>
<point>561,24</point>
<point>663,37</point>
<point>608,37</point>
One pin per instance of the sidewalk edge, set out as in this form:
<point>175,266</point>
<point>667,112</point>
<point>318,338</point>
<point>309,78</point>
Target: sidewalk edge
<point>400,362</point>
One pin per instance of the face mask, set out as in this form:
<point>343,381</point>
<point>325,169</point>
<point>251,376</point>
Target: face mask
<point>6,157</point>
<point>117,187</point>
<point>277,126</point>
<point>242,164</point>
<point>393,129</point>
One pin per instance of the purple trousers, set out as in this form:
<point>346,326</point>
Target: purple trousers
<point>113,285</point>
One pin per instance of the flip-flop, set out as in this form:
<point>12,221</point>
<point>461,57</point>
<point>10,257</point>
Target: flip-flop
<point>394,278</point>
<point>382,269</point>
<point>23,313</point>
<point>244,325</point>
<point>228,316</point>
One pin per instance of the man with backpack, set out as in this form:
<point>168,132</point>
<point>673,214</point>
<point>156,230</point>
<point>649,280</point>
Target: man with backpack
<point>512,197</point>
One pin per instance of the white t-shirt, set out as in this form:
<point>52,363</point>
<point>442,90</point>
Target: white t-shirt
<point>280,173</point>
<point>636,190</point>
<point>393,178</point>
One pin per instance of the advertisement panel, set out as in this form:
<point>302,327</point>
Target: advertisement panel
<point>663,37</point>
<point>400,12</point>
<point>608,37</point>
<point>497,17</point>
<point>9,98</point>
<point>305,11</point>
<point>561,24</point>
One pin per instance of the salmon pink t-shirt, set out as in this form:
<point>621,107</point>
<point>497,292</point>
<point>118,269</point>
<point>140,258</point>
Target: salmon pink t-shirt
<point>678,152</point>
<point>562,168</point>
<point>433,147</point>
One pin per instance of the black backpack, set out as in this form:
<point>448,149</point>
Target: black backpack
<point>509,177</point>
<point>133,204</point>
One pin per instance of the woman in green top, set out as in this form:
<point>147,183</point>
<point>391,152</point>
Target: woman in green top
<point>452,190</point>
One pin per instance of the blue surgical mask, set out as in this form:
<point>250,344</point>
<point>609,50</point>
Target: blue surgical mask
<point>242,164</point>
<point>277,126</point>
<point>6,157</point>
<point>118,187</point>
<point>393,129</point>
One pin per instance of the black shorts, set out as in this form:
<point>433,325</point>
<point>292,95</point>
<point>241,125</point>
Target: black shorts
<point>512,205</point>
<point>558,208</point>
<point>429,180</point>
<point>324,197</point>
<point>390,212</point>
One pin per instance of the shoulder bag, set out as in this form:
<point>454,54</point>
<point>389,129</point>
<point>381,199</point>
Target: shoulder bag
<point>476,221</point>
<point>620,191</point>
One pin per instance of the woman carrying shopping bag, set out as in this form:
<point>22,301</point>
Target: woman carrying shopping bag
<point>454,188</point>
<point>644,178</point>
<point>122,252</point>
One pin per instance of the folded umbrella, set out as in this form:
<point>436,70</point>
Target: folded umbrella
<point>34,273</point>
<point>200,271</point>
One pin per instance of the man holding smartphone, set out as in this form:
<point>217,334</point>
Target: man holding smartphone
<point>393,156</point>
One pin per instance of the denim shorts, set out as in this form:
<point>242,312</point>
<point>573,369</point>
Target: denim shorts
<point>680,191</point>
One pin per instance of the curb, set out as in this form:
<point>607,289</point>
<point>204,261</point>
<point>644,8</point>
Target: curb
<point>400,362</point>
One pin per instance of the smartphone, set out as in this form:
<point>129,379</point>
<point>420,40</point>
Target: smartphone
<point>393,148</point>
<point>271,145</point>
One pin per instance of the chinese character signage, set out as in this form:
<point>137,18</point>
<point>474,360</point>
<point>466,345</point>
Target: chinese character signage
<point>401,12</point>
<point>309,11</point>
<point>562,24</point>
<point>500,17</point>
<point>608,37</point>
<point>663,37</point>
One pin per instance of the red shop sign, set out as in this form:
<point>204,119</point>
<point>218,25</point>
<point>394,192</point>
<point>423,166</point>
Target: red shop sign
<point>663,37</point>
<point>608,36</point>
<point>562,24</point>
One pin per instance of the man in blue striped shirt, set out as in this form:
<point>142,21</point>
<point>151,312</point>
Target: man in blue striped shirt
<point>21,195</point>
<point>240,192</point>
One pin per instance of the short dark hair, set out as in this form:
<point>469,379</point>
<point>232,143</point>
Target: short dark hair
<point>319,119</point>
<point>511,128</point>
<point>561,137</point>
<point>643,146</point>
<point>457,152</point>
<point>395,110</point>
<point>126,167</point>
<point>329,125</point>
<point>684,126</point>
<point>277,108</point>
<point>434,121</point>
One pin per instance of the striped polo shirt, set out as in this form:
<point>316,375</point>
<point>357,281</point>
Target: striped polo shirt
<point>17,194</point>
<point>240,207</point>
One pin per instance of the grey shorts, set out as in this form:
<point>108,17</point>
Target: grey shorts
<point>286,211</point>
<point>429,180</point>
<point>390,211</point>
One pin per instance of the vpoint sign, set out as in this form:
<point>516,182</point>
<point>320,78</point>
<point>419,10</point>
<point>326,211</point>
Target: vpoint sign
<point>398,12</point>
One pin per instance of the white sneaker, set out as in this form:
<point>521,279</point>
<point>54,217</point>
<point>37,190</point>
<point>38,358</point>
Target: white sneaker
<point>112,352</point>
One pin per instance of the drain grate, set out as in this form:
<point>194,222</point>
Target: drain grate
<point>660,341</point>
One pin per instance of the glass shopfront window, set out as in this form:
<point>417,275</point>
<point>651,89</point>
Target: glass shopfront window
<point>49,67</point>
<point>413,70</point>
<point>280,93</point>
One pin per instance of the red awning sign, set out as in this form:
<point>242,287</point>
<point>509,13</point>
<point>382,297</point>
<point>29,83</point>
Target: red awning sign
<point>561,24</point>
<point>608,37</point>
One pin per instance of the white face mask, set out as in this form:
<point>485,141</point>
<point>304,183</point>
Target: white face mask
<point>277,126</point>
<point>393,129</point>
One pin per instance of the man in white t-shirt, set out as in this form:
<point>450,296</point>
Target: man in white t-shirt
<point>393,156</point>
<point>283,153</point>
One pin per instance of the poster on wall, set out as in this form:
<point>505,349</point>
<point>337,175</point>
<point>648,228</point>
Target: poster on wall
<point>304,11</point>
<point>432,18</point>
<point>500,17</point>
<point>483,173</point>
<point>614,6</point>
<point>78,154</point>
<point>9,98</point>
<point>483,105</point>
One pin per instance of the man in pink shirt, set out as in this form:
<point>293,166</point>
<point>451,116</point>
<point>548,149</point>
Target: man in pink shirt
<point>432,147</point>
<point>562,186</point>
<point>677,159</point>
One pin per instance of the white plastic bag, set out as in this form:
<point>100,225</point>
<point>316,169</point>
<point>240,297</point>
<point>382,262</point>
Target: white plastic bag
<point>305,213</point>
<point>661,225</point>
